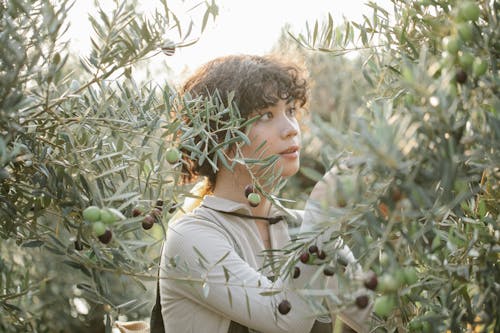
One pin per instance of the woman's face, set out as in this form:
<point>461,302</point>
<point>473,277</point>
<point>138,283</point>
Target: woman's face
<point>276,132</point>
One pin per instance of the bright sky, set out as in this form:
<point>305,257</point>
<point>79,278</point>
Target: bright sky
<point>243,26</point>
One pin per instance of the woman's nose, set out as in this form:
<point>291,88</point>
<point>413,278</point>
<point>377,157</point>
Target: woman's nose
<point>290,128</point>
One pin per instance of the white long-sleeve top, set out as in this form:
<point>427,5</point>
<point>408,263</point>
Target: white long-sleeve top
<point>204,283</point>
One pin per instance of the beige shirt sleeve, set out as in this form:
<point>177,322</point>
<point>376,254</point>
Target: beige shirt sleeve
<point>210,273</point>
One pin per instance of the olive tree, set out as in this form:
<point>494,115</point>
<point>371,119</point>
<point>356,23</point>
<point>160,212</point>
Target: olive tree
<point>78,133</point>
<point>417,163</point>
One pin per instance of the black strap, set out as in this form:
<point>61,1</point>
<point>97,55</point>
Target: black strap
<point>271,220</point>
<point>156,321</point>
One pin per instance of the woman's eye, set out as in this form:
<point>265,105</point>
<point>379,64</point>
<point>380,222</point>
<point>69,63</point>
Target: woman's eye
<point>292,112</point>
<point>266,116</point>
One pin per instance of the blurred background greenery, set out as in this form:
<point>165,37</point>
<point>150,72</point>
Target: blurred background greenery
<point>410,122</point>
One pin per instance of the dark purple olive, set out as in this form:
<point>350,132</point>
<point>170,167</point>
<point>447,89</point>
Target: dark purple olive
<point>342,261</point>
<point>321,255</point>
<point>172,209</point>
<point>461,76</point>
<point>148,222</point>
<point>78,245</point>
<point>313,249</point>
<point>136,211</point>
<point>105,238</point>
<point>296,272</point>
<point>329,271</point>
<point>249,189</point>
<point>371,282</point>
<point>284,307</point>
<point>304,257</point>
<point>155,212</point>
<point>362,301</point>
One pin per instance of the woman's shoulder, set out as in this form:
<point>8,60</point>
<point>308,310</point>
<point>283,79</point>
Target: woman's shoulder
<point>187,219</point>
<point>193,222</point>
<point>191,234</point>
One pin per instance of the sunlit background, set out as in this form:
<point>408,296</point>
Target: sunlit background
<point>242,26</point>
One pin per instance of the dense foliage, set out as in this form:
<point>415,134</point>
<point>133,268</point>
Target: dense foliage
<point>418,162</point>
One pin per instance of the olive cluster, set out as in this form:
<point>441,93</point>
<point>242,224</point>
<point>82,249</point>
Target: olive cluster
<point>314,256</point>
<point>388,284</point>
<point>101,220</point>
<point>463,33</point>
<point>154,214</point>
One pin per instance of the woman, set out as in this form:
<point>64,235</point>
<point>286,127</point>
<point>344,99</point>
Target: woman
<point>215,266</point>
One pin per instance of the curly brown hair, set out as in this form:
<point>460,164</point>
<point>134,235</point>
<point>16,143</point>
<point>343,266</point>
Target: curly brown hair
<point>257,82</point>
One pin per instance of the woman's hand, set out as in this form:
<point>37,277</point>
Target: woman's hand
<point>322,199</point>
<point>324,190</point>
<point>337,189</point>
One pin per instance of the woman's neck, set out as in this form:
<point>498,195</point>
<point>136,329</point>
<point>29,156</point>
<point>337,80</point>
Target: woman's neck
<point>231,185</point>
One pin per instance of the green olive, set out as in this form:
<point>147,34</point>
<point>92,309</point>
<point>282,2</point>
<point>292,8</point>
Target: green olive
<point>384,259</point>
<point>92,214</point>
<point>469,11</point>
<point>399,275</point>
<point>466,59</point>
<point>388,283</point>
<point>254,199</point>
<point>99,228</point>
<point>452,44</point>
<point>384,305</point>
<point>415,325</point>
<point>465,30</point>
<point>410,275</point>
<point>107,216</point>
<point>172,155</point>
<point>479,67</point>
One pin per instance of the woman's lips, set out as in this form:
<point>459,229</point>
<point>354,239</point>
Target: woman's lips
<point>291,155</point>
<point>291,152</point>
